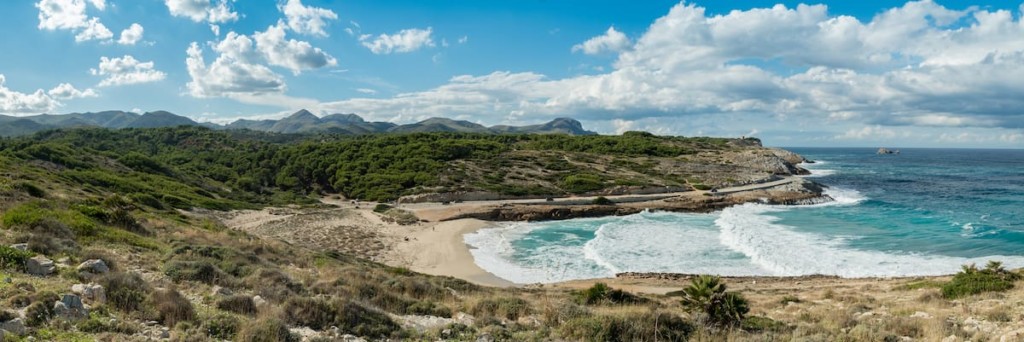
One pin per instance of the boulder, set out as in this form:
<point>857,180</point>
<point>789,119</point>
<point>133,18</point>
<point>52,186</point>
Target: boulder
<point>259,301</point>
<point>40,266</point>
<point>14,326</point>
<point>94,266</point>
<point>20,246</point>
<point>91,292</point>
<point>218,290</point>
<point>70,308</point>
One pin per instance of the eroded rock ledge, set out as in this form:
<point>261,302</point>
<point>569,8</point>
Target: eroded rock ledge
<point>798,191</point>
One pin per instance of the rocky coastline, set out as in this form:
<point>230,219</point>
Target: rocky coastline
<point>798,191</point>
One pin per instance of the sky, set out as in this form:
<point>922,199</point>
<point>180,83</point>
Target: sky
<point>832,73</point>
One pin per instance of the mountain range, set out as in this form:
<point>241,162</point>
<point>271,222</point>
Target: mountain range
<point>301,121</point>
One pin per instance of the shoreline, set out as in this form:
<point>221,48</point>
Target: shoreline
<point>439,249</point>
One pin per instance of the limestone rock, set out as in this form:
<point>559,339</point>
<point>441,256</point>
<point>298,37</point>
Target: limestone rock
<point>70,308</point>
<point>921,314</point>
<point>352,338</point>
<point>14,326</point>
<point>92,292</point>
<point>20,246</point>
<point>259,301</point>
<point>94,266</point>
<point>39,265</point>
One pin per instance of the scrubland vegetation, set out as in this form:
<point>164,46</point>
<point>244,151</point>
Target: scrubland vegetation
<point>124,197</point>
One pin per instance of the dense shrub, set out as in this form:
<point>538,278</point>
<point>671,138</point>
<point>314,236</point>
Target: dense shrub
<point>266,330</point>
<point>38,313</point>
<point>600,293</point>
<point>125,291</point>
<point>356,319</point>
<point>221,326</point>
<point>315,313</point>
<point>972,281</point>
<point>646,326</point>
<point>171,307</point>
<point>13,258</point>
<point>381,208</point>
<point>31,189</point>
<point>240,304</point>
<point>506,307</point>
<point>100,325</point>
<point>198,270</point>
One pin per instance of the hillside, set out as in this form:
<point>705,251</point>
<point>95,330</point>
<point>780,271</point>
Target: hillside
<point>300,122</point>
<point>145,227</point>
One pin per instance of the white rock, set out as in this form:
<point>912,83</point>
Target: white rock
<point>20,246</point>
<point>39,265</point>
<point>94,266</point>
<point>921,314</point>
<point>352,338</point>
<point>259,301</point>
<point>951,338</point>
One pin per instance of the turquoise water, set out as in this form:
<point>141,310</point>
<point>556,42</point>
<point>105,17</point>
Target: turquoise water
<point>923,212</point>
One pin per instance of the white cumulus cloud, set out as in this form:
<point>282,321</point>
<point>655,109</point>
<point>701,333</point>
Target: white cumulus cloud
<point>290,53</point>
<point>126,70</point>
<point>39,101</point>
<point>611,41</point>
<point>407,40</point>
<point>71,15</point>
<point>131,35</point>
<point>306,19</point>
<point>919,67</point>
<point>66,91</point>
<point>233,73</point>
<point>210,11</point>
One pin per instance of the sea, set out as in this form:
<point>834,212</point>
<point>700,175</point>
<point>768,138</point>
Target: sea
<point>920,212</point>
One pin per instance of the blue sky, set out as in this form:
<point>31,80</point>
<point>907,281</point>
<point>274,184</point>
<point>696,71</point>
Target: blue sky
<point>840,73</point>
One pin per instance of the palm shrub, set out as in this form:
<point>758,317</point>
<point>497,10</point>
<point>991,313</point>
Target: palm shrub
<point>707,296</point>
<point>971,280</point>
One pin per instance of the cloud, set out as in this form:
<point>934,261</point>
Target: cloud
<point>71,15</point>
<point>407,40</point>
<point>65,91</point>
<point>464,40</point>
<point>289,53</point>
<point>306,20</point>
<point>13,102</point>
<point>94,31</point>
<point>210,11</point>
<point>611,41</point>
<point>367,91</point>
<point>918,66</point>
<point>233,73</point>
<point>131,35</point>
<point>126,70</point>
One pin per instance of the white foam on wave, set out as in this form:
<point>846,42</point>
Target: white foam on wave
<point>816,170</point>
<point>751,229</point>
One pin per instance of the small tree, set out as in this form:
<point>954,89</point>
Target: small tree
<point>707,296</point>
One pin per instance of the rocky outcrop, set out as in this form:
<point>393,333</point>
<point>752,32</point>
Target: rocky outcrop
<point>70,308</point>
<point>39,266</point>
<point>91,292</point>
<point>797,191</point>
<point>94,266</point>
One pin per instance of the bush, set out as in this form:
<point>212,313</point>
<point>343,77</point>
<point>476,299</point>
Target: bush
<point>358,320</point>
<point>971,280</point>
<point>97,325</point>
<point>580,183</point>
<point>603,201</point>
<point>201,271</point>
<point>30,189</point>
<point>637,327</point>
<point>600,293</point>
<point>508,308</point>
<point>707,296</point>
<point>171,307</point>
<point>125,291</point>
<point>38,313</point>
<point>13,257</point>
<point>221,326</point>
<point>7,316</point>
<point>239,304</point>
<point>266,330</point>
<point>381,208</point>
<point>315,313</point>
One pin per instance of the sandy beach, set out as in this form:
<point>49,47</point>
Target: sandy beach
<point>439,249</point>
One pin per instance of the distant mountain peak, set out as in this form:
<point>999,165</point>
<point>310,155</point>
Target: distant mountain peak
<point>302,121</point>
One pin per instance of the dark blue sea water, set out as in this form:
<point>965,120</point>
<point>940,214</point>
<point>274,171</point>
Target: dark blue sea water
<point>922,212</point>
